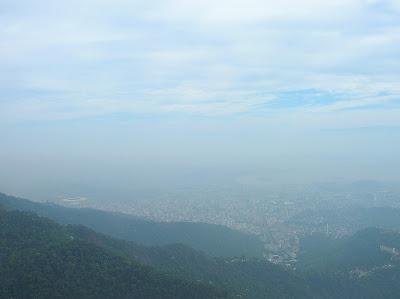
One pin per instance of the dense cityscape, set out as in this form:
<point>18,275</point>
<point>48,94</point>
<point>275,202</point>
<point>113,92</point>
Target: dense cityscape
<point>279,215</point>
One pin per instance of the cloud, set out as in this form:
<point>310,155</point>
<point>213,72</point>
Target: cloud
<point>77,59</point>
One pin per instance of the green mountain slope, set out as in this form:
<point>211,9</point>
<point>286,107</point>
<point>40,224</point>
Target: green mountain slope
<point>364,265</point>
<point>365,249</point>
<point>40,259</point>
<point>245,278</point>
<point>215,240</point>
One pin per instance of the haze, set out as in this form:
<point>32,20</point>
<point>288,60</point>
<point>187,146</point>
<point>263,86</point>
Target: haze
<point>113,99</point>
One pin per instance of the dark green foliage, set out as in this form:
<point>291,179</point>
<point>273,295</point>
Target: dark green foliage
<point>215,240</point>
<point>353,267</point>
<point>242,277</point>
<point>40,259</point>
<point>379,283</point>
<point>362,250</point>
<point>249,278</point>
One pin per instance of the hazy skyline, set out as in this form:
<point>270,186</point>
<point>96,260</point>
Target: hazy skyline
<point>119,91</point>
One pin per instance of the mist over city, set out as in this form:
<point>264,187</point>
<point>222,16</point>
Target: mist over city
<point>205,149</point>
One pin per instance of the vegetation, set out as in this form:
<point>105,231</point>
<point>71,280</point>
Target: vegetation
<point>362,250</point>
<point>40,259</point>
<point>214,240</point>
<point>244,278</point>
<point>353,267</point>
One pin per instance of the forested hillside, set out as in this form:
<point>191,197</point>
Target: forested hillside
<point>366,249</point>
<point>215,240</point>
<point>40,259</point>
<point>243,277</point>
<point>365,265</point>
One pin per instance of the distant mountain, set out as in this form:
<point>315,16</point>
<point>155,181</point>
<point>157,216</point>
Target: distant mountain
<point>244,278</point>
<point>41,259</point>
<point>352,218</point>
<point>241,277</point>
<point>366,249</point>
<point>380,217</point>
<point>365,265</point>
<point>215,240</point>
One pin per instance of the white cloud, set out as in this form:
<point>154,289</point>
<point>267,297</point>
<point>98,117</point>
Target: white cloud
<point>208,57</point>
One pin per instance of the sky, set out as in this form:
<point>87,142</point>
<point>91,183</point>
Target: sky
<point>97,92</point>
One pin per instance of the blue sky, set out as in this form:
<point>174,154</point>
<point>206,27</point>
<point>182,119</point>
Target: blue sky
<point>168,70</point>
<point>79,59</point>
